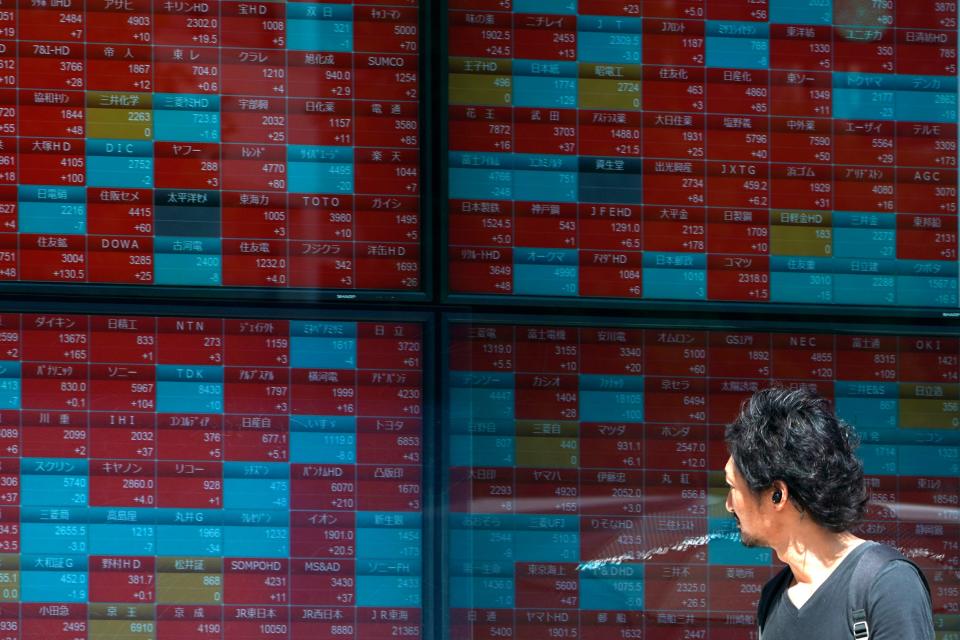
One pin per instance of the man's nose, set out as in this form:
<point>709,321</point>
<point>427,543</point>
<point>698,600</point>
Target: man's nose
<point>728,503</point>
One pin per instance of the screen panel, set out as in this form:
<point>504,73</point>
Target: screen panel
<point>703,150</point>
<point>210,477</point>
<point>585,490</point>
<point>211,144</point>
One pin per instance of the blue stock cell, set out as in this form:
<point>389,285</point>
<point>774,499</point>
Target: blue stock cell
<point>186,261</point>
<point>53,538</point>
<point>480,176</point>
<point>547,538</point>
<point>53,578</point>
<point>725,547</point>
<point>857,242</point>
<point>617,587</point>
<point>57,210</point>
<point>10,390</point>
<point>388,591</point>
<point>545,178</point>
<point>481,184</point>
<point>474,547</point>
<point>800,286</point>
<point>801,11</point>
<point>482,451</point>
<point>482,397</point>
<point>117,531</point>
<point>544,91</point>
<point>186,117</point>
<point>319,27</point>
<point>131,173</point>
<point>879,460</point>
<point>865,281</point>
<point>317,169</point>
<point>52,482</point>
<point>256,486</point>
<point>467,405</point>
<point>323,345</point>
<point>674,276</point>
<point>868,406</point>
<point>546,272</point>
<point>189,532</point>
<point>119,163</point>
<point>264,534</point>
<point>926,460</point>
<point>738,45</point>
<point>488,592</point>
<point>927,106</point>
<point>189,389</point>
<point>549,7</point>
<point>609,39</point>
<point>122,539</point>
<point>323,439</point>
<point>390,544</point>
<point>611,398</point>
<point>927,284</point>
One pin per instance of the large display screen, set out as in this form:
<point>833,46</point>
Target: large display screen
<point>585,486</point>
<point>758,151</point>
<point>197,477</point>
<point>217,143</point>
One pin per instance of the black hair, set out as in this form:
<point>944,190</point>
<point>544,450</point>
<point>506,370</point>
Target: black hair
<point>792,435</point>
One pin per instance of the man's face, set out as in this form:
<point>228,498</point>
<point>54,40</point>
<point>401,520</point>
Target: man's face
<point>745,507</point>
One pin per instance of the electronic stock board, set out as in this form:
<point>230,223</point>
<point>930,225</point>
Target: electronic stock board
<point>585,491</point>
<point>759,151</point>
<point>211,143</point>
<point>210,478</point>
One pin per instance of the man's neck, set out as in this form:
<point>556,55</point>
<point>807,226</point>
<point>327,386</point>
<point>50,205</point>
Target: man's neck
<point>813,552</point>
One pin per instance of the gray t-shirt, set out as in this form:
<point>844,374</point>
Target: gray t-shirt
<point>898,606</point>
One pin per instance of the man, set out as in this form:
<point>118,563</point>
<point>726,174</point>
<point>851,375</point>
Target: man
<point>795,486</point>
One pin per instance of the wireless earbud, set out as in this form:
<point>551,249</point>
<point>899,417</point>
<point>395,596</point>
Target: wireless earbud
<point>777,496</point>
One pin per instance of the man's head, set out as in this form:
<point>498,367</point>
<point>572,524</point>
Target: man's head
<point>787,447</point>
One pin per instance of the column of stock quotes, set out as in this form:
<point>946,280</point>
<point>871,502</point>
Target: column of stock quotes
<point>585,478</point>
<point>795,151</point>
<point>210,143</point>
<point>209,478</point>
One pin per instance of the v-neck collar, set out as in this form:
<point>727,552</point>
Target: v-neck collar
<point>849,559</point>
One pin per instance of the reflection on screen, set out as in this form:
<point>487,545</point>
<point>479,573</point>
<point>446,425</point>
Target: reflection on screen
<point>209,478</point>
<point>585,482</point>
<point>798,151</point>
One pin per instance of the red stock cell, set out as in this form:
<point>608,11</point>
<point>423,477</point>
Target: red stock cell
<point>322,534</point>
<point>481,270</point>
<point>123,436</point>
<point>123,483</point>
<point>929,359</point>
<point>389,488</point>
<point>323,487</point>
<point>190,485</point>
<point>481,348</point>
<point>676,588</point>
<point>554,585</point>
<point>255,580</point>
<point>669,41</point>
<point>323,582</point>
<point>801,47</point>
<point>197,437</point>
<point>253,25</point>
<point>743,278</point>
<point>256,437</point>
<point>675,228</point>
<point>487,35</point>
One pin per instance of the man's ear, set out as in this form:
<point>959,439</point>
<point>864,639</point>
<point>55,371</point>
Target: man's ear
<point>779,494</point>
